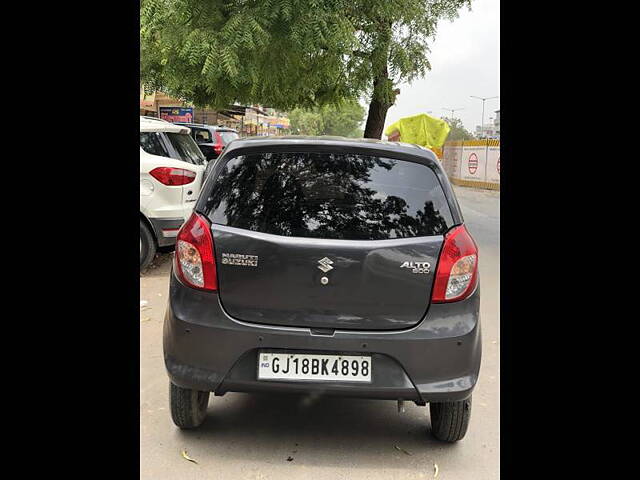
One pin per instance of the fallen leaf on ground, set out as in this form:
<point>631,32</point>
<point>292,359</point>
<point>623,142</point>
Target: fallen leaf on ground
<point>187,457</point>
<point>435,470</point>
<point>145,319</point>
<point>401,450</point>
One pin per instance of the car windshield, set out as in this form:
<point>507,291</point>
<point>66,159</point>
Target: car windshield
<point>186,148</point>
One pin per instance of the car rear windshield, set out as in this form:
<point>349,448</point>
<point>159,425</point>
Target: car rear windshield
<point>331,196</point>
<point>186,148</point>
<point>202,135</point>
<point>228,136</point>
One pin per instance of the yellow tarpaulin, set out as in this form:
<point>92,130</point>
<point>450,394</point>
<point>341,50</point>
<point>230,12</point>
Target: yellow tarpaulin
<point>420,129</point>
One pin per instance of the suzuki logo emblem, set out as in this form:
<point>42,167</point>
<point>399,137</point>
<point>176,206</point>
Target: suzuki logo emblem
<point>325,264</point>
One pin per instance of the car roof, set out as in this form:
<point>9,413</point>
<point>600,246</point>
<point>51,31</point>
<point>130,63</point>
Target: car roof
<point>151,124</point>
<point>203,125</point>
<point>380,146</point>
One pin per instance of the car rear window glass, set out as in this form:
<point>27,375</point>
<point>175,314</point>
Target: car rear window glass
<point>201,135</point>
<point>228,136</point>
<point>151,143</point>
<point>186,148</point>
<point>332,196</point>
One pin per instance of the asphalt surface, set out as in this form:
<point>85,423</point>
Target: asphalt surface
<point>277,436</point>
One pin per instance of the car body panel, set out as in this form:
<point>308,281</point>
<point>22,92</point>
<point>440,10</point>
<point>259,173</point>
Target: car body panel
<point>366,288</point>
<point>158,200</point>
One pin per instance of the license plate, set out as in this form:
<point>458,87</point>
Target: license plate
<point>307,366</point>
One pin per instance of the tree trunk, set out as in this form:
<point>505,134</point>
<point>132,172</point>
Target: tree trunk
<point>383,96</point>
<point>375,119</point>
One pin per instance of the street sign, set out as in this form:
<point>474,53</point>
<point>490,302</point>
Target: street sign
<point>473,163</point>
<point>177,114</point>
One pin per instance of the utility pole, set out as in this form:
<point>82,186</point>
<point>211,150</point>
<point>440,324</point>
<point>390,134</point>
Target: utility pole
<point>452,110</point>
<point>483,100</point>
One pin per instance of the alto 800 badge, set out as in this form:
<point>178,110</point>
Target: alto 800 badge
<point>417,267</point>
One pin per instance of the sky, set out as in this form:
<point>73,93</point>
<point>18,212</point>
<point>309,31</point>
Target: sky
<point>465,60</point>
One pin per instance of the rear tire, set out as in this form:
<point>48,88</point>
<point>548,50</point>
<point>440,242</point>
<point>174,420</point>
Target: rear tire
<point>449,420</point>
<point>188,407</point>
<point>147,246</point>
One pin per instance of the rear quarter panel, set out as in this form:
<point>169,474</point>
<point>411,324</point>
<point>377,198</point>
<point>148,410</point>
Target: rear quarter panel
<point>158,200</point>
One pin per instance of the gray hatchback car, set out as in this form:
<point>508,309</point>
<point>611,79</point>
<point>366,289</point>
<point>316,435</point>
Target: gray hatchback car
<point>325,265</point>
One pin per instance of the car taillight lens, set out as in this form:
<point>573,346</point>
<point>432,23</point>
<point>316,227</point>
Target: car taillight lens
<point>457,272</point>
<point>218,146</point>
<point>173,176</point>
<point>195,260</point>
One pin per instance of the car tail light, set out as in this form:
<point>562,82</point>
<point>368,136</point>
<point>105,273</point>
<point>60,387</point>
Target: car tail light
<point>218,145</point>
<point>173,176</point>
<point>195,261</point>
<point>457,272</point>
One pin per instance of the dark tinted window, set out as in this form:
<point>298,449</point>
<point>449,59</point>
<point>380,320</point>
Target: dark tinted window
<point>335,196</point>
<point>201,135</point>
<point>228,136</point>
<point>186,148</point>
<point>151,143</point>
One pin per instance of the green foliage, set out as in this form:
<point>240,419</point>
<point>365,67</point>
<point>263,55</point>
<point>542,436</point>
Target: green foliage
<point>306,122</point>
<point>342,119</point>
<point>286,53</point>
<point>457,132</point>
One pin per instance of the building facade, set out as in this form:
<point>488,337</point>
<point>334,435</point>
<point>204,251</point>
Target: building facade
<point>248,120</point>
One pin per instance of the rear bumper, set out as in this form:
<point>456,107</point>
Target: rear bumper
<point>166,230</point>
<point>437,360</point>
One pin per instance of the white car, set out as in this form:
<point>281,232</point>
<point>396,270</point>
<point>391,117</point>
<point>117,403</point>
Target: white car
<point>171,173</point>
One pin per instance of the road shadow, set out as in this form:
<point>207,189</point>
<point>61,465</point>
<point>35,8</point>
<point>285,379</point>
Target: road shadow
<point>317,431</point>
<point>159,267</point>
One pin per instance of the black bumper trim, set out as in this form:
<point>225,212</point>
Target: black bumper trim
<point>160,224</point>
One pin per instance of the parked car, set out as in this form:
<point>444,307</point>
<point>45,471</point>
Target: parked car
<point>329,266</point>
<point>171,172</point>
<point>211,139</point>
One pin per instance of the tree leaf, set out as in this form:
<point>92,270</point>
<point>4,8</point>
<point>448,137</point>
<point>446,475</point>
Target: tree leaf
<point>187,457</point>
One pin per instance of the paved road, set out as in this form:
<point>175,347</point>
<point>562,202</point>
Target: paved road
<point>252,436</point>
